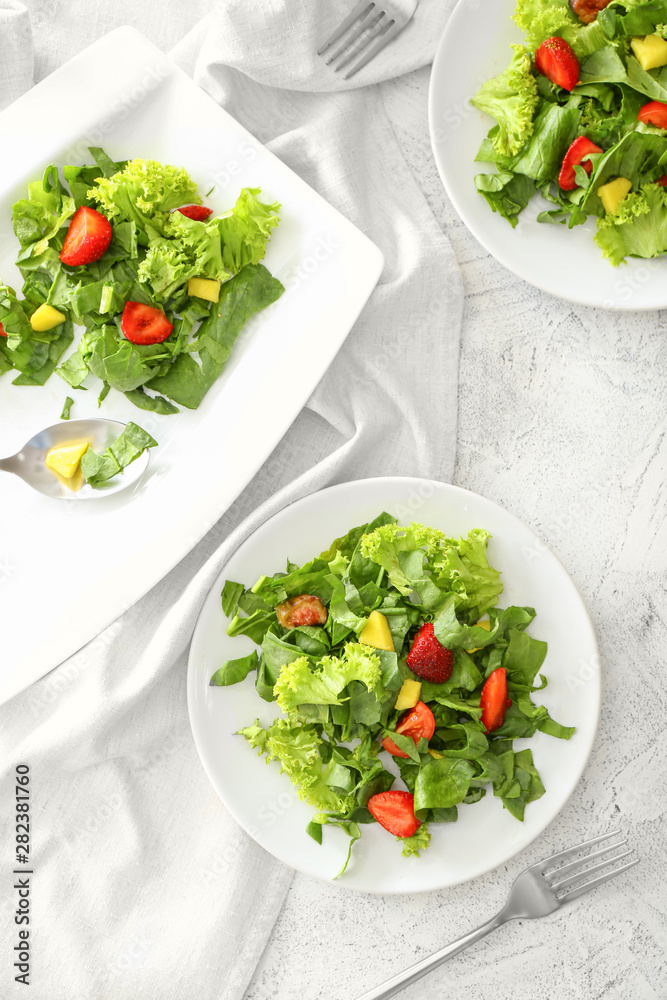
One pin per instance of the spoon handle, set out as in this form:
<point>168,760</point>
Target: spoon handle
<point>8,464</point>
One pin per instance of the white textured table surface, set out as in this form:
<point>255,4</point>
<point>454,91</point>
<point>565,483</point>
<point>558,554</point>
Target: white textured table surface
<point>563,422</point>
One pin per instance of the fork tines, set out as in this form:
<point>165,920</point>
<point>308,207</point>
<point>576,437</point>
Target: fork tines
<point>368,27</point>
<point>568,884</point>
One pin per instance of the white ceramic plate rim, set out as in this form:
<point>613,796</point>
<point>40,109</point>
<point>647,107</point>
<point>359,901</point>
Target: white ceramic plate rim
<point>197,682</point>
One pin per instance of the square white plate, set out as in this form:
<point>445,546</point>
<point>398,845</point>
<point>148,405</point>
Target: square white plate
<point>67,569</point>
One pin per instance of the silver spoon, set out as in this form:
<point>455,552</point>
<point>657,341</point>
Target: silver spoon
<point>30,462</point>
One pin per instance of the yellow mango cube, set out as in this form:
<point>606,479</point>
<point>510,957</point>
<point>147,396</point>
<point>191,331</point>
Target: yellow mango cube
<point>487,626</point>
<point>204,288</point>
<point>612,194</point>
<point>376,632</point>
<point>65,460</point>
<point>650,51</point>
<point>45,318</point>
<point>409,694</point>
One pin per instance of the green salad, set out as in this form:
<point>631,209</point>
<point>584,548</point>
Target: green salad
<point>161,285</point>
<point>581,119</point>
<point>402,684</point>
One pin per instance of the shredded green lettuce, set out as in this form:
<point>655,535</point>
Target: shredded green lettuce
<point>511,98</point>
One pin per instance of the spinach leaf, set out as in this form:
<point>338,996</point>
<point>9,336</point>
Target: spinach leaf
<point>127,447</point>
<point>233,671</point>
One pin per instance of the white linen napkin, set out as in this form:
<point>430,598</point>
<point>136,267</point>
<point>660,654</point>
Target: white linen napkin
<point>16,51</point>
<point>144,885</point>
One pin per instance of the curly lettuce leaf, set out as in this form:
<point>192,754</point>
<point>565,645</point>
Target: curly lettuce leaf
<point>39,217</point>
<point>455,566</point>
<point>638,228</point>
<point>297,749</point>
<point>511,98</point>
<point>462,568</point>
<point>387,542</point>
<point>298,684</point>
<point>540,19</point>
<point>245,229</point>
<point>216,249</point>
<point>419,841</point>
<point>145,192</point>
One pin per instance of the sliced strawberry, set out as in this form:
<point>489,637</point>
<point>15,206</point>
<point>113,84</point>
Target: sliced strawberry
<point>144,324</point>
<point>2,331</point>
<point>429,659</point>
<point>576,157</point>
<point>395,811</point>
<point>87,239</point>
<point>302,610</point>
<point>494,701</point>
<point>557,61</point>
<point>415,723</point>
<point>197,212</point>
<point>653,113</point>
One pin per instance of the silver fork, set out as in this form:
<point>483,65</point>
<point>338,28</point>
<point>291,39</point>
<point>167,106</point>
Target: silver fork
<point>370,26</point>
<point>534,894</point>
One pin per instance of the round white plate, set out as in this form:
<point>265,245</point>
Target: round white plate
<point>474,47</point>
<point>485,835</point>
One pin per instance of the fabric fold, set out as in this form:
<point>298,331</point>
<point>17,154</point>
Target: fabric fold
<point>16,51</point>
<point>276,43</point>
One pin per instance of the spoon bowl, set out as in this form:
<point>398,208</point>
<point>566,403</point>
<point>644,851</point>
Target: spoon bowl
<point>30,462</point>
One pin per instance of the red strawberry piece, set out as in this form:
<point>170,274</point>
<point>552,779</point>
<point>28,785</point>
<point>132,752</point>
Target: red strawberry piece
<point>87,239</point>
<point>575,157</point>
<point>144,324</point>
<point>302,610</point>
<point>429,659</point>
<point>2,331</point>
<point>415,723</point>
<point>494,701</point>
<point>653,113</point>
<point>197,212</point>
<point>395,811</point>
<point>588,10</point>
<point>662,181</point>
<point>557,61</point>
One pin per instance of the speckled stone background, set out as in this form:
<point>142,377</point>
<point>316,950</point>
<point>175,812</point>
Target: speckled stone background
<point>563,421</point>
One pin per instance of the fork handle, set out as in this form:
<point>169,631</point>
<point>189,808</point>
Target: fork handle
<point>404,979</point>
